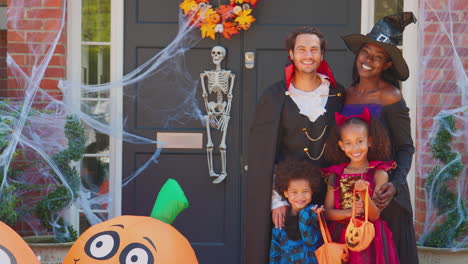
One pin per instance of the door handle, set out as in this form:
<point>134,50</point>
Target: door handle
<point>249,60</point>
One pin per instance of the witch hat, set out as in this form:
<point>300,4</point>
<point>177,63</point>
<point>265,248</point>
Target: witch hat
<point>386,33</point>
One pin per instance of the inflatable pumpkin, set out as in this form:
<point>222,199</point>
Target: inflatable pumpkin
<point>132,239</point>
<point>13,249</point>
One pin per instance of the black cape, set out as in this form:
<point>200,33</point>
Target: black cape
<point>262,153</point>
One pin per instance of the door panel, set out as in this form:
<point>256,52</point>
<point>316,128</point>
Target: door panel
<point>212,222</point>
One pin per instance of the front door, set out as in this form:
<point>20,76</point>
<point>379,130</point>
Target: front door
<point>212,222</point>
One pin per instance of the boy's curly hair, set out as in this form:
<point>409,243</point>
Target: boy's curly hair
<point>296,170</point>
<point>380,142</point>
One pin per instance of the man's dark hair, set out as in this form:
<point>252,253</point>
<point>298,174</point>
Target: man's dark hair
<point>291,39</point>
<point>290,169</point>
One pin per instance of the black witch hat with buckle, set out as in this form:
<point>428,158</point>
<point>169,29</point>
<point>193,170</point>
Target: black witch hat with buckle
<point>386,33</point>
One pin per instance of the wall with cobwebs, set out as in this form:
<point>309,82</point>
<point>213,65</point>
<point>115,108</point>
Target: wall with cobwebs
<point>442,97</point>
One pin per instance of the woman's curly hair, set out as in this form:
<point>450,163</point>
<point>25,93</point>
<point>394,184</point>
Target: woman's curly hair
<point>379,148</point>
<point>288,170</point>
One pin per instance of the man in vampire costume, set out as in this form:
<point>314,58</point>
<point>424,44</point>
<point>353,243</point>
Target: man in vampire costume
<point>292,120</point>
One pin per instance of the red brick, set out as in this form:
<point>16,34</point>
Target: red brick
<point>436,63</point>
<point>44,13</point>
<point>25,24</point>
<point>440,15</point>
<point>420,193</point>
<point>44,37</point>
<point>432,28</point>
<point>18,58</point>
<point>436,40</point>
<point>440,86</point>
<point>462,51</point>
<point>16,36</point>
<point>433,74</point>
<point>453,74</point>
<point>461,39</point>
<point>52,3</point>
<point>453,100</point>
<point>435,4</point>
<point>458,5</point>
<point>420,203</point>
<point>60,49</point>
<point>431,99</point>
<point>49,84</point>
<point>447,51</point>
<point>3,37</point>
<point>459,28</point>
<point>55,73</point>
<point>433,51</point>
<point>52,24</point>
<point>57,60</point>
<point>56,94</point>
<point>426,122</point>
<point>464,15</point>
<point>32,3</point>
<point>18,48</point>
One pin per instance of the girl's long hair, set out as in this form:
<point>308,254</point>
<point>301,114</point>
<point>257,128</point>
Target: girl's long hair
<point>379,149</point>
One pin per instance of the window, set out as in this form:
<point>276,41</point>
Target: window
<point>95,30</point>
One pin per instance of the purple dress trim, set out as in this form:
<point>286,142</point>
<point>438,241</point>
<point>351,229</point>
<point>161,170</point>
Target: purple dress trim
<point>356,109</point>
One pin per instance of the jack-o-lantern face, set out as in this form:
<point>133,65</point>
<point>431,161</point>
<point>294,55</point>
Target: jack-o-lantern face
<point>13,249</point>
<point>359,235</point>
<point>131,240</point>
<point>344,256</point>
<point>353,237</point>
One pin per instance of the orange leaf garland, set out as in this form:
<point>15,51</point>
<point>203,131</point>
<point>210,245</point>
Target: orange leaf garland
<point>229,29</point>
<point>210,16</point>
<point>225,11</point>
<point>221,19</point>
<point>208,30</point>
<point>188,5</point>
<point>244,18</point>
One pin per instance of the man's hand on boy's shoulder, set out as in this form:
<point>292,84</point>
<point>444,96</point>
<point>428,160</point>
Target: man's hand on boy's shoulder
<point>278,215</point>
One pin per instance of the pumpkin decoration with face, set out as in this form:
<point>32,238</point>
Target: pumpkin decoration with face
<point>131,240</point>
<point>359,234</point>
<point>13,249</point>
<point>138,239</point>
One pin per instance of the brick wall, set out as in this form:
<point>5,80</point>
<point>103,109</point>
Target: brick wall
<point>442,56</point>
<point>29,35</point>
<point>3,50</point>
<point>36,25</point>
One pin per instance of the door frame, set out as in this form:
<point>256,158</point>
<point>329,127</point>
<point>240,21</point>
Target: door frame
<point>410,52</point>
<point>73,58</point>
<point>411,55</point>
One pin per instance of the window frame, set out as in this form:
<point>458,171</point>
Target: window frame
<point>74,44</point>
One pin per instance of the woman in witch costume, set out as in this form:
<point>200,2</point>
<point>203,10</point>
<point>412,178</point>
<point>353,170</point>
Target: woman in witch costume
<point>378,67</point>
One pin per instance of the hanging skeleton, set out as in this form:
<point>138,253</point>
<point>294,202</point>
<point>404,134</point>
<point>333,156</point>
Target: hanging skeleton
<point>220,83</point>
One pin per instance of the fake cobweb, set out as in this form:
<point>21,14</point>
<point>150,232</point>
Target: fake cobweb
<point>33,137</point>
<point>442,133</point>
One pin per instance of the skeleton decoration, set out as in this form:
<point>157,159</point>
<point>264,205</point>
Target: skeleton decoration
<point>218,83</point>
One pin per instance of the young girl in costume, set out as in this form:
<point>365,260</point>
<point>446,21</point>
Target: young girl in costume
<point>297,241</point>
<point>360,147</point>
